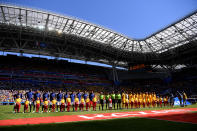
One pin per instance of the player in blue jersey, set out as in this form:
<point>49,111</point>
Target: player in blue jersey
<point>52,95</point>
<point>79,96</point>
<point>44,96</point>
<point>59,98</point>
<point>37,96</point>
<point>72,97</point>
<point>65,95</point>
<point>85,95</point>
<point>91,96</point>
<point>29,96</point>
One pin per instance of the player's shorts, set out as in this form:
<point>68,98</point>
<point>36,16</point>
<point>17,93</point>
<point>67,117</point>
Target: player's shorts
<point>76,103</point>
<point>45,106</point>
<point>68,104</point>
<point>30,102</point>
<point>110,104</point>
<point>126,104</point>
<point>58,103</point>
<point>94,104</point>
<point>106,101</point>
<point>82,104</point>
<point>62,103</point>
<point>37,105</point>
<point>101,101</point>
<point>26,106</point>
<point>18,106</point>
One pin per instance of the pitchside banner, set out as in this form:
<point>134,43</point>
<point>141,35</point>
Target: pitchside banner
<point>177,102</point>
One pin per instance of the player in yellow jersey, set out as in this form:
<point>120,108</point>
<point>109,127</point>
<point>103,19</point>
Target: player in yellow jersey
<point>87,104</point>
<point>123,100</point>
<point>126,103</point>
<point>139,102</point>
<point>94,103</point>
<point>37,104</point>
<point>144,102</point>
<point>143,95</point>
<point>148,102</point>
<point>26,104</point>
<point>68,102</point>
<point>150,99</point>
<point>18,104</point>
<point>140,96</point>
<point>62,106</point>
<point>136,102</point>
<point>165,100</point>
<point>157,99</point>
<point>76,103</point>
<point>46,103</point>
<point>160,101</point>
<point>82,103</point>
<point>146,97</point>
<point>131,101</point>
<point>54,101</point>
<point>153,101</point>
<point>130,96</point>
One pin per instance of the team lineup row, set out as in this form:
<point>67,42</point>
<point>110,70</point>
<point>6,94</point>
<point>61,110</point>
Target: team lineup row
<point>80,100</point>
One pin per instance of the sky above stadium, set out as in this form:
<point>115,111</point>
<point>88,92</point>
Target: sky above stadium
<point>134,18</point>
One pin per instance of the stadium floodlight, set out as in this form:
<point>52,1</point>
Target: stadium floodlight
<point>50,28</point>
<point>59,31</point>
<point>41,27</point>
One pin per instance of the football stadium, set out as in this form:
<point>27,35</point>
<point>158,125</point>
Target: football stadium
<point>146,84</point>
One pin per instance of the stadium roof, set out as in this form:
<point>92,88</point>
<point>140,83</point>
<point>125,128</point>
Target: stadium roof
<point>114,46</point>
<point>173,36</point>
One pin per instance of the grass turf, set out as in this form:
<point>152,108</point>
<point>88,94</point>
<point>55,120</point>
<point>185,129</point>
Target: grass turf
<point>6,112</point>
<point>128,124</point>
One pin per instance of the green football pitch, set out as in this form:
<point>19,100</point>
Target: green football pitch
<point>6,112</point>
<point>120,124</point>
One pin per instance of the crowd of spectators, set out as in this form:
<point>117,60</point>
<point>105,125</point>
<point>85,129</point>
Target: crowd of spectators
<point>22,74</point>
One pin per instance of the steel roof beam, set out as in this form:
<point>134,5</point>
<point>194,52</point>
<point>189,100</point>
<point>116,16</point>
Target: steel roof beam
<point>3,14</point>
<point>47,21</point>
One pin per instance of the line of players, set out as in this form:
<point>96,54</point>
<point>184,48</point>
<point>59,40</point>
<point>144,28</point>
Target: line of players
<point>134,100</point>
<point>53,102</point>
